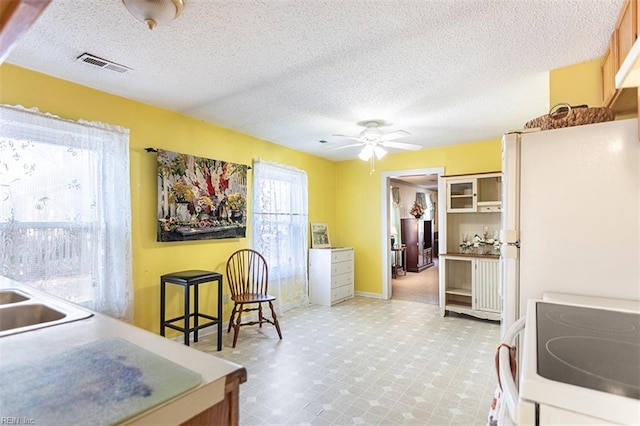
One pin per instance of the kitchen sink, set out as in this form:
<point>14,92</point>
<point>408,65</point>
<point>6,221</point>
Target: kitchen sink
<point>23,310</point>
<point>12,296</point>
<point>26,315</point>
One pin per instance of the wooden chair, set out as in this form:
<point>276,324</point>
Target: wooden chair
<point>248,277</point>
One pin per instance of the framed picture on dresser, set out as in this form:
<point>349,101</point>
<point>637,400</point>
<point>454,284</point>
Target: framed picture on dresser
<point>320,235</point>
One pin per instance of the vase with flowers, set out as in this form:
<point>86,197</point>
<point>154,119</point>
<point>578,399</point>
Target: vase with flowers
<point>236,204</point>
<point>181,192</point>
<point>416,210</point>
<point>182,197</point>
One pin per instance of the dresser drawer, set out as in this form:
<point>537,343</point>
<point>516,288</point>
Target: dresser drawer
<point>341,268</point>
<point>341,256</point>
<point>342,279</point>
<point>341,293</point>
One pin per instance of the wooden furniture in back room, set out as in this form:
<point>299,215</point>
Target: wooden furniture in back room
<point>398,261</point>
<point>417,236</point>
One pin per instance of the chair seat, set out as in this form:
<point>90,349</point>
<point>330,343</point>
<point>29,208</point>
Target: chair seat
<point>252,298</point>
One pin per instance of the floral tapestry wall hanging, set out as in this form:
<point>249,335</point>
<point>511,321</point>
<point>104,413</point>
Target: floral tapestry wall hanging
<point>200,198</point>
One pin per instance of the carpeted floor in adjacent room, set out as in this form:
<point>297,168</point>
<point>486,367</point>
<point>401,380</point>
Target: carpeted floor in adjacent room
<point>417,286</point>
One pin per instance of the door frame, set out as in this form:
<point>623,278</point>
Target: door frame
<point>385,191</point>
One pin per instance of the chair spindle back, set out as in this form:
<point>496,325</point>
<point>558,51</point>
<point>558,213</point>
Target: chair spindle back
<point>247,272</point>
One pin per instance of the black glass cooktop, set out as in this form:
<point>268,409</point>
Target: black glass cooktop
<point>592,348</point>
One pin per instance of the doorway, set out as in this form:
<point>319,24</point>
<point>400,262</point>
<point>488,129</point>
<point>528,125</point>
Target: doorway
<point>410,282</point>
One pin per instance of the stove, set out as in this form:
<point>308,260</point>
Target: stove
<point>592,348</point>
<point>580,363</point>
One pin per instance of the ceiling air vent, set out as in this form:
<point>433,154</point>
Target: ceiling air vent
<point>90,59</point>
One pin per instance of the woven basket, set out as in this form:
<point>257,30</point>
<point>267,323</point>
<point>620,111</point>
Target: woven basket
<point>565,115</point>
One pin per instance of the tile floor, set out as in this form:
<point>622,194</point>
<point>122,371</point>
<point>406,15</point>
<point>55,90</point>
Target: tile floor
<point>365,361</point>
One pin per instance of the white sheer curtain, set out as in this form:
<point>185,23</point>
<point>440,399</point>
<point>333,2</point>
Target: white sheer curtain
<point>430,207</point>
<point>395,215</point>
<point>280,222</point>
<point>426,201</point>
<point>65,208</point>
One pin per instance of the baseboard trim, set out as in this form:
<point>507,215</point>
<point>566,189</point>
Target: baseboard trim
<point>369,295</point>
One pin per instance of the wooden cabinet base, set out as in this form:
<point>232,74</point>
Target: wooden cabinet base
<point>227,411</point>
<point>420,268</point>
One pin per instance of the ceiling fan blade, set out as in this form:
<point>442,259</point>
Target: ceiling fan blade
<point>401,145</point>
<point>395,135</point>
<point>351,145</point>
<point>357,138</point>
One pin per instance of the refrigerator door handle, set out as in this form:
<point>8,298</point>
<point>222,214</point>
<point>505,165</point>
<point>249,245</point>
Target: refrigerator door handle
<point>510,237</point>
<point>510,243</point>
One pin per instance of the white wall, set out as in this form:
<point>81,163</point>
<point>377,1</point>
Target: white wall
<point>408,196</point>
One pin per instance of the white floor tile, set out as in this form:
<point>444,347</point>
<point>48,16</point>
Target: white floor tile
<point>365,361</point>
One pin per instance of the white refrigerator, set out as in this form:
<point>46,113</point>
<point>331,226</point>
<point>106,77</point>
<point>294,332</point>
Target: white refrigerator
<point>571,214</point>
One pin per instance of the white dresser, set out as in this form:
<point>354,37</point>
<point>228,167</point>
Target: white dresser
<point>330,275</point>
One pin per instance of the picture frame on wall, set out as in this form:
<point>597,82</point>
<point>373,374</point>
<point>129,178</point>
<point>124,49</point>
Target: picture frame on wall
<point>200,198</point>
<point>320,235</point>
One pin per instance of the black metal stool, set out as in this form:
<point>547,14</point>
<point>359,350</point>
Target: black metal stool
<point>188,279</point>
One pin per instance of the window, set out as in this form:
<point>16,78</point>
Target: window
<point>65,209</point>
<point>280,222</point>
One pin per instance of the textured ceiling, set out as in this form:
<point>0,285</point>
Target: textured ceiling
<point>296,72</point>
<point>425,181</point>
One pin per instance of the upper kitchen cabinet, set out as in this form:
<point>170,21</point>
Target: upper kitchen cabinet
<point>621,99</point>
<point>16,17</point>
<point>626,29</point>
<point>474,193</point>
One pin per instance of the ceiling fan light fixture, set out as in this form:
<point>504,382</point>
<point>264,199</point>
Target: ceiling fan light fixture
<point>154,12</point>
<point>379,151</point>
<point>374,141</point>
<point>371,133</point>
<point>366,153</point>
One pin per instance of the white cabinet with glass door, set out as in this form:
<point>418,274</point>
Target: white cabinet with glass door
<point>474,193</point>
<point>469,262</point>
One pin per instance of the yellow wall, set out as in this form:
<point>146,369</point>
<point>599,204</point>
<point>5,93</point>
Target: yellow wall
<point>155,127</point>
<point>576,84</point>
<point>359,201</point>
<point>344,195</point>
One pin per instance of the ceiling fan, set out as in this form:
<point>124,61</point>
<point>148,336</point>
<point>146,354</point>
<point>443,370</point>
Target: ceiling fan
<point>373,141</point>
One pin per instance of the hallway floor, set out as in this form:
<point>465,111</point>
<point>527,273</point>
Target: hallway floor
<point>417,286</point>
<point>365,361</point>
